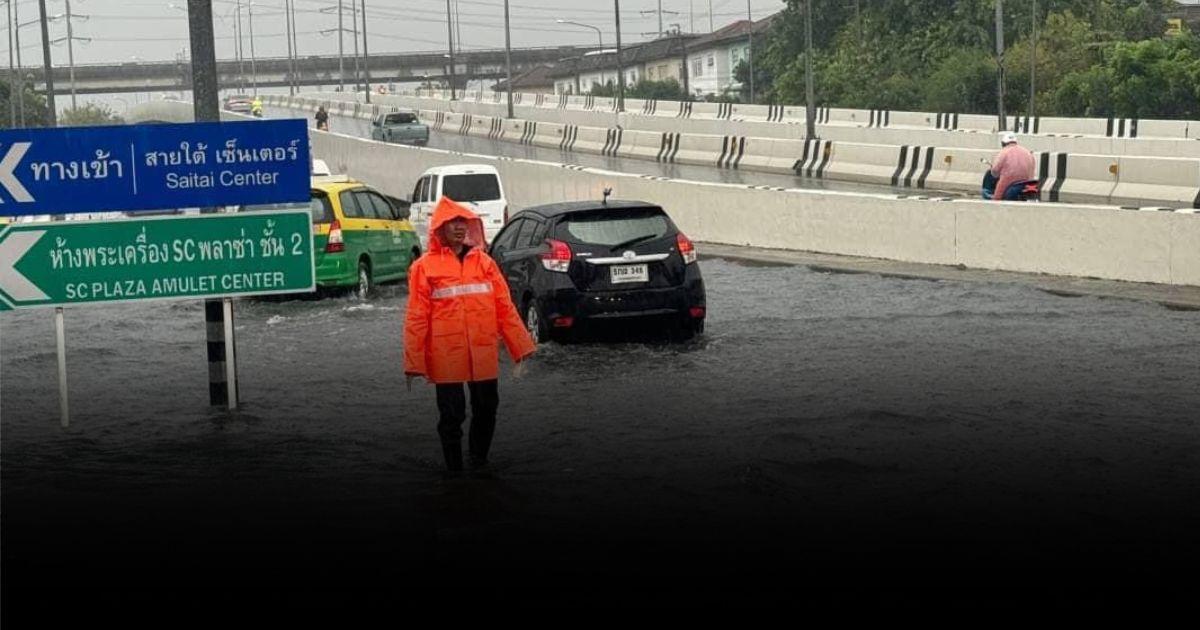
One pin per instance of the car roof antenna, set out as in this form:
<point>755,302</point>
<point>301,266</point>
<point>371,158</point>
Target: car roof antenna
<point>607,192</point>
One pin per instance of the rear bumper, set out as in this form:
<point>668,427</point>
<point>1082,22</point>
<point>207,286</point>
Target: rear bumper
<point>567,301</point>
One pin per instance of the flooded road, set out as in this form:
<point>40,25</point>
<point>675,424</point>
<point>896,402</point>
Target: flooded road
<point>826,427</point>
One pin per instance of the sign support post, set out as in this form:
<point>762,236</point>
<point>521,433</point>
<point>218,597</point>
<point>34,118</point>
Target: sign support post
<point>207,109</point>
<point>64,406</point>
<point>230,356</point>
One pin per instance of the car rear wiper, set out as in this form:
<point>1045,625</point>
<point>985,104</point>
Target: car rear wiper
<point>633,241</point>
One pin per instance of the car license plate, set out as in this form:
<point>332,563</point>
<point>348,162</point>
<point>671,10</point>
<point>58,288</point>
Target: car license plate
<point>629,273</point>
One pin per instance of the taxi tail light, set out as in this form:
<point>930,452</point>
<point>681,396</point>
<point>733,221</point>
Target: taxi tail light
<point>564,322</point>
<point>686,249</point>
<point>558,258</point>
<point>335,243</point>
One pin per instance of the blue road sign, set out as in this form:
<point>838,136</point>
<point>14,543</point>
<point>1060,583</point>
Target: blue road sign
<point>153,166</point>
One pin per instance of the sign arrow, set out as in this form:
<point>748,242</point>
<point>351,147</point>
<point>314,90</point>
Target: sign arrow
<point>12,249</point>
<point>8,179</point>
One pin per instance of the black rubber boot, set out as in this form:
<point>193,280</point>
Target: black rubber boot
<point>454,457</point>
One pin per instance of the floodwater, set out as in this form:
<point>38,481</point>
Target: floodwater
<point>827,430</point>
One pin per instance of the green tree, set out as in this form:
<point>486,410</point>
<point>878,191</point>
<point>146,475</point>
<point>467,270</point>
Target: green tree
<point>36,112</point>
<point>666,89</point>
<point>90,114</point>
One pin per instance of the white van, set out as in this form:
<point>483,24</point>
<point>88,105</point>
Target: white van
<point>476,186</point>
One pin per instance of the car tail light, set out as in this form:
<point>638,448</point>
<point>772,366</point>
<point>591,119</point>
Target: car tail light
<point>506,214</point>
<point>335,243</point>
<point>564,322</point>
<point>558,258</point>
<point>686,249</point>
<point>697,312</point>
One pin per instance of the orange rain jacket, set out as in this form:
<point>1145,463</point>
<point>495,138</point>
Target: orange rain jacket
<point>457,310</point>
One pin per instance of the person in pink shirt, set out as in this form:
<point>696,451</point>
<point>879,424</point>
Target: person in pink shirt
<point>1013,165</point>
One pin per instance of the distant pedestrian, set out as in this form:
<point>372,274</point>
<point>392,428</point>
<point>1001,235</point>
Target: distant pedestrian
<point>458,311</point>
<point>322,118</point>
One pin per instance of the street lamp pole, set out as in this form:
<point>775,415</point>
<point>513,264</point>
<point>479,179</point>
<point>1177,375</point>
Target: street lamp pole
<point>508,59</point>
<point>810,97</point>
<point>366,57</point>
<point>53,118</point>
<point>1033,59</point>
<point>450,40</point>
<point>341,52</point>
<point>1000,64</point>
<point>750,20</point>
<point>620,69</point>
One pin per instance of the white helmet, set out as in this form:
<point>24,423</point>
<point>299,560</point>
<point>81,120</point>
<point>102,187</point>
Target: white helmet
<point>1007,137</point>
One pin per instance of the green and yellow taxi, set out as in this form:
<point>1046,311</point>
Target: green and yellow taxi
<point>362,238</point>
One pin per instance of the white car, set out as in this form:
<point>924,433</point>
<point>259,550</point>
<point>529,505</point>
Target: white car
<point>476,186</point>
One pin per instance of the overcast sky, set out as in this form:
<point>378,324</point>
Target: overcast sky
<point>125,30</point>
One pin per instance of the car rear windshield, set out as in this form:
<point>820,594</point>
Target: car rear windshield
<point>318,206</point>
<point>481,187</point>
<point>399,119</point>
<point>618,227</point>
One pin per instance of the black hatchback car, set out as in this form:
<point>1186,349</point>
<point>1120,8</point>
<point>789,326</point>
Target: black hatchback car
<point>568,264</point>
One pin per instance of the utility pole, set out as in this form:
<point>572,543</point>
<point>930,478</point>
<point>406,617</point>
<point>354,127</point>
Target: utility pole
<point>12,71</point>
<point>16,8</point>
<point>810,98</point>
<point>221,360</point>
<point>1000,64</point>
<point>366,57</point>
<point>53,119</point>
<point>450,40</point>
<point>354,31</point>
<point>750,21</point>
<point>71,52</point>
<point>341,52</point>
<point>508,60</point>
<point>238,49</point>
<point>710,20</point>
<point>295,46</point>
<point>287,19</point>
<point>1033,59</point>
<point>660,12</point>
<point>620,65</point>
<point>253,57</point>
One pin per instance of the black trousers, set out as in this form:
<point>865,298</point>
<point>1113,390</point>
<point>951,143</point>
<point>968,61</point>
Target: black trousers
<point>452,409</point>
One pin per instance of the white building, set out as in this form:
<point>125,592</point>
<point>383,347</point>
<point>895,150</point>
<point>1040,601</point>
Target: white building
<point>714,58</point>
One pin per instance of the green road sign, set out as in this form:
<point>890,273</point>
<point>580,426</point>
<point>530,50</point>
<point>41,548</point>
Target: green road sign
<point>215,255</point>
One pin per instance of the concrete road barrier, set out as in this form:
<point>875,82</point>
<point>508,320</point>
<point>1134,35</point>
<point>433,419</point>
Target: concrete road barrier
<point>1089,178</point>
<point>1175,182</point>
<point>872,163</point>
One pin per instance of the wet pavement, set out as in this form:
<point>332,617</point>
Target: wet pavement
<point>843,432</point>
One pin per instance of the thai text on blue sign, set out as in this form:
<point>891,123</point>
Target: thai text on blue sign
<point>153,166</point>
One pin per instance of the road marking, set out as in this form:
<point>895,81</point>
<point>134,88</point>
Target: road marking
<point>8,179</point>
<point>12,249</point>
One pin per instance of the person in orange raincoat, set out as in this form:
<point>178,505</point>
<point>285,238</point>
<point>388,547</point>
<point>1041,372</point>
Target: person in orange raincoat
<point>458,310</point>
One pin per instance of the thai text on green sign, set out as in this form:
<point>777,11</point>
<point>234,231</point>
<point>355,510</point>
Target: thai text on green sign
<point>216,255</point>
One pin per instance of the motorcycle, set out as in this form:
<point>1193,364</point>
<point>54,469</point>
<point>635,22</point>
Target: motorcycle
<point>1025,190</point>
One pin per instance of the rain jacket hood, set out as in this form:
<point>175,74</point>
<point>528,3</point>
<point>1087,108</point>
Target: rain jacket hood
<point>447,210</point>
